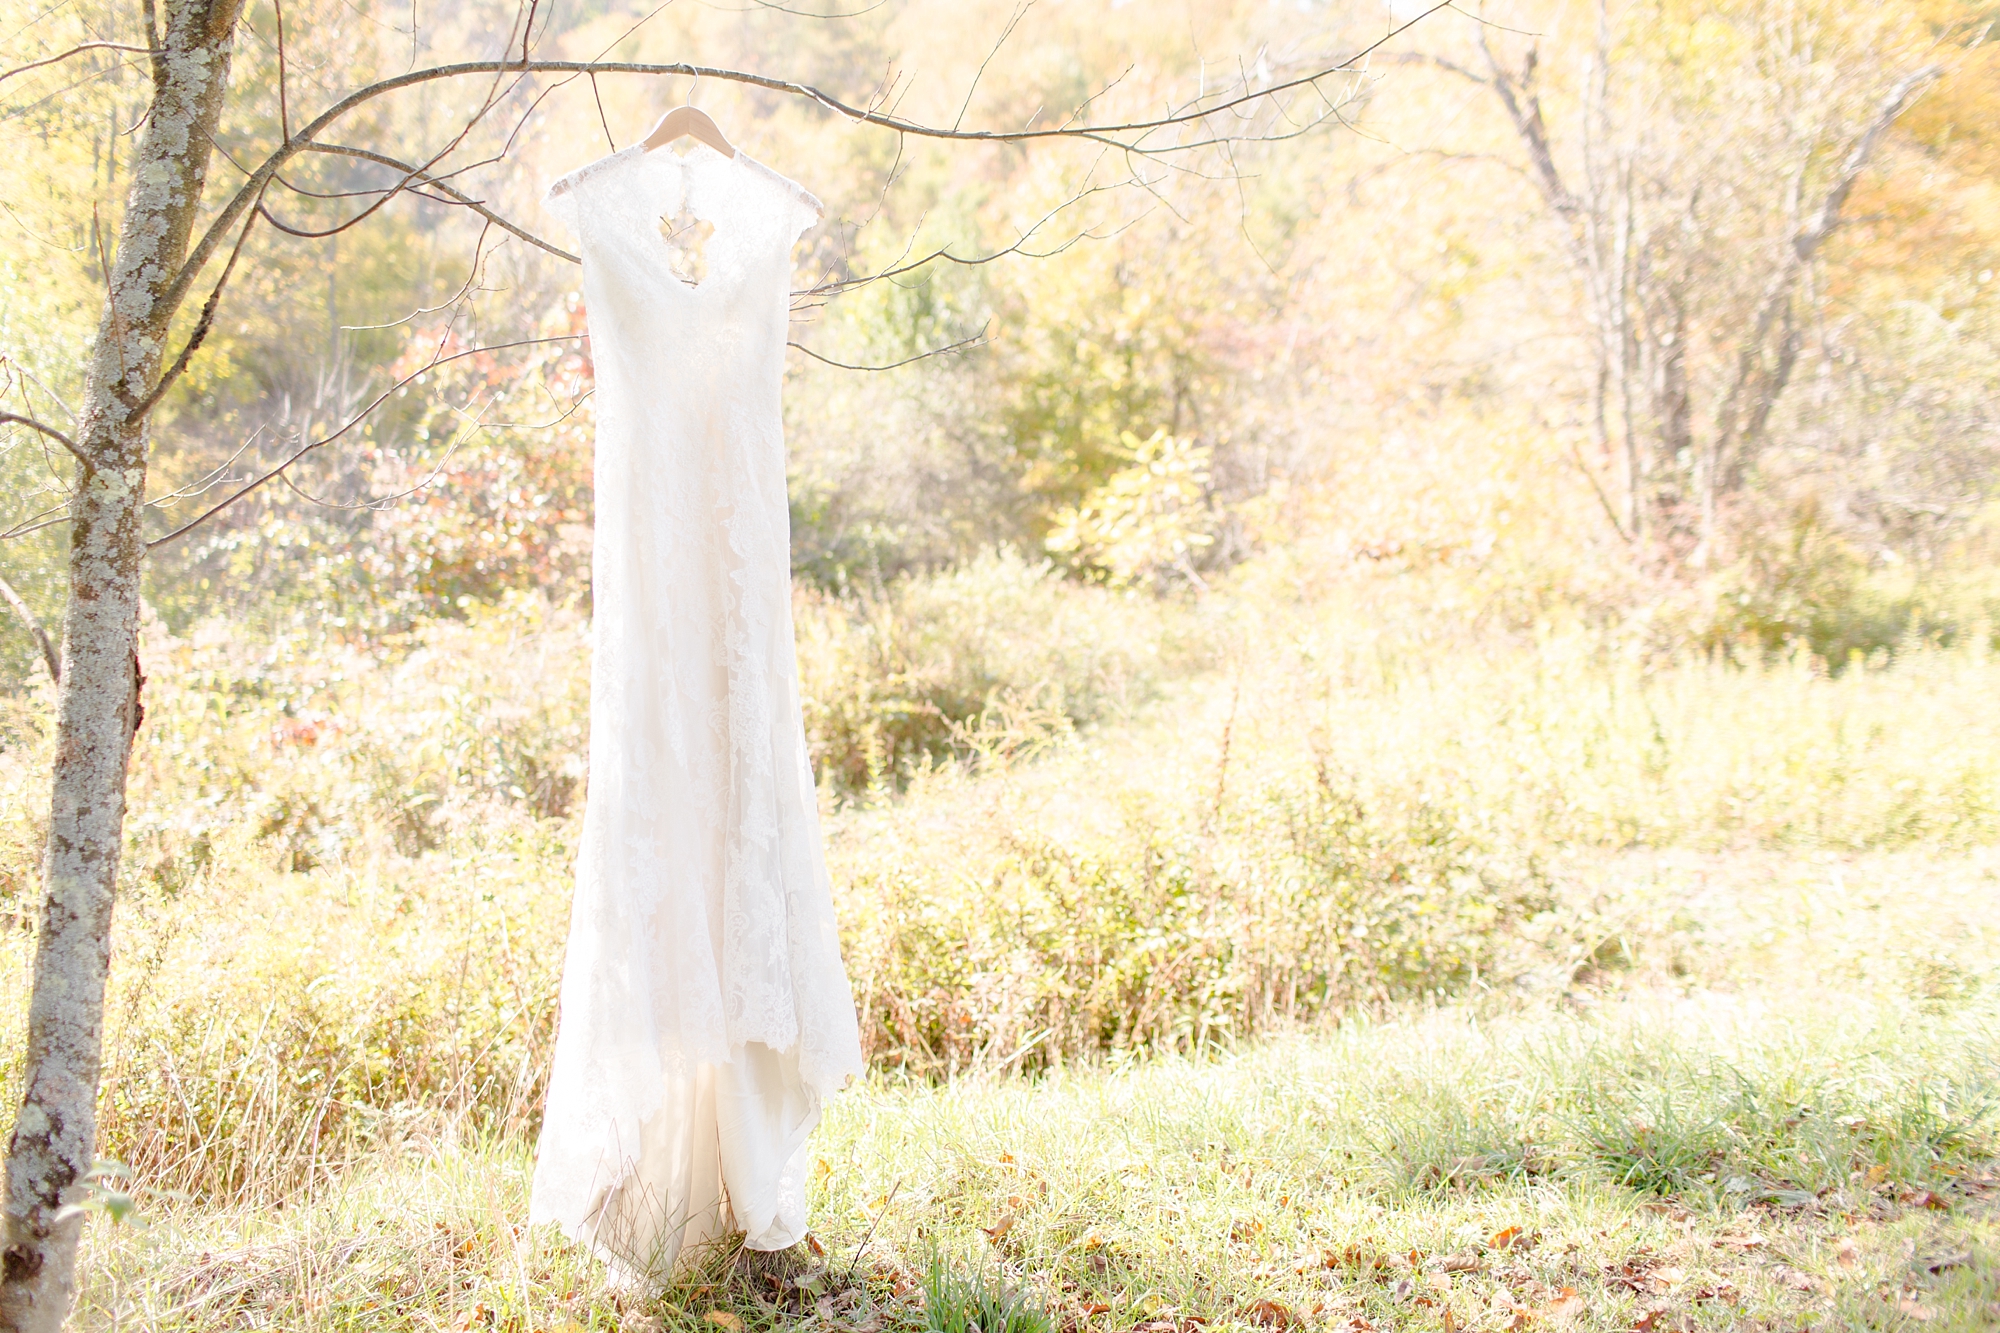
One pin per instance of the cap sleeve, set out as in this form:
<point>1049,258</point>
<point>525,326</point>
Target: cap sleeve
<point>805,212</point>
<point>560,203</point>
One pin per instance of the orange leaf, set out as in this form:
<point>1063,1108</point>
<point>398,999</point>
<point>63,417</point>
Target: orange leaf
<point>1566,1304</point>
<point>1271,1314</point>
<point>1000,1228</point>
<point>1847,1254</point>
<point>1506,1238</point>
<point>722,1319</point>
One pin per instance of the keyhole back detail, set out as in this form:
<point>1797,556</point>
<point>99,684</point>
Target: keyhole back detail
<point>686,237</point>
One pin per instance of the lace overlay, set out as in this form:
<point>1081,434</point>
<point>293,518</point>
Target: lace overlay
<point>705,1011</point>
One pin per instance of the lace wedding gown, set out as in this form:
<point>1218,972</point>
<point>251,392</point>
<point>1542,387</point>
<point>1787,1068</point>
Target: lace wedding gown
<point>705,1011</point>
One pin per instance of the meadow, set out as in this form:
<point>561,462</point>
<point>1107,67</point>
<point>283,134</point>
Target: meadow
<point>1401,675</point>
<point>1257,957</point>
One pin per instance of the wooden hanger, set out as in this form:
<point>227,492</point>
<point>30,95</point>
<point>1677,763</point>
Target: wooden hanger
<point>691,122</point>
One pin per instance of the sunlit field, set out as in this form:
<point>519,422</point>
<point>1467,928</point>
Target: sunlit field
<point>1248,960</point>
<point>1403,677</point>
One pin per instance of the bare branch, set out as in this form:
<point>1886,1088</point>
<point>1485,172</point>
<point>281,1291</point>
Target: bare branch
<point>422,177</point>
<point>1524,108</point>
<point>44,428</point>
<point>1128,135</point>
<point>201,326</point>
<point>1738,425</point>
<point>77,51</point>
<point>963,344</point>
<point>349,425</point>
<point>50,658</point>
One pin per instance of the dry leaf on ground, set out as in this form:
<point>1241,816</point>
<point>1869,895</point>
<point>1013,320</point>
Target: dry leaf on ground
<point>1565,1304</point>
<point>1272,1314</point>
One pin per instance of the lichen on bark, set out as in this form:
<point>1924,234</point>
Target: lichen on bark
<point>53,1144</point>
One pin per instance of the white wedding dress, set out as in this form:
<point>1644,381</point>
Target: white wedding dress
<point>705,1013</point>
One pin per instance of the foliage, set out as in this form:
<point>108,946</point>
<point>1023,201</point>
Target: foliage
<point>997,659</point>
<point>341,913</point>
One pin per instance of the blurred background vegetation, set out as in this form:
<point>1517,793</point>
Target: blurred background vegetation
<point>1308,582</point>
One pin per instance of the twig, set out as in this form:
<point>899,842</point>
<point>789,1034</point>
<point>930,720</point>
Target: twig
<point>977,339</point>
<point>1128,136</point>
<point>350,424</point>
<point>50,658</point>
<point>46,429</point>
<point>79,50</point>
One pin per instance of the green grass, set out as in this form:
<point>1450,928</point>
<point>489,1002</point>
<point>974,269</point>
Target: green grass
<point>1718,1160</point>
<point>1303,950</point>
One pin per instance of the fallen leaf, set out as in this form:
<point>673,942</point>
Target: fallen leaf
<point>1754,1241</point>
<point>1648,1321</point>
<point>1847,1254</point>
<point>1567,1304</point>
<point>1944,1263</point>
<point>1451,1323</point>
<point>1916,1310</point>
<point>1097,1307</point>
<point>1929,1199</point>
<point>724,1320</point>
<point>1793,1278</point>
<point>1665,1279</point>
<point>1245,1228</point>
<point>818,1250</point>
<point>1509,1238</point>
<point>1000,1228</point>
<point>1461,1263</point>
<point>1876,1174</point>
<point>1271,1314</point>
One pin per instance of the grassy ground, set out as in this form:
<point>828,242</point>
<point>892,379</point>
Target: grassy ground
<point>1785,1122</point>
<point>1254,961</point>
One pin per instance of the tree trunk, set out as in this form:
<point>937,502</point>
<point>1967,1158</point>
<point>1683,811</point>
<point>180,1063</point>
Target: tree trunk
<point>97,705</point>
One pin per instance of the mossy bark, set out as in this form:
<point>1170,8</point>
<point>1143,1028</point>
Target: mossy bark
<point>98,704</point>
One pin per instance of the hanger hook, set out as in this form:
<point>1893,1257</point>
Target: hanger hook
<point>689,99</point>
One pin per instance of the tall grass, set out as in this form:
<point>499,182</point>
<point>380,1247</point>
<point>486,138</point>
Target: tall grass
<point>1131,826</point>
<point>1708,1163</point>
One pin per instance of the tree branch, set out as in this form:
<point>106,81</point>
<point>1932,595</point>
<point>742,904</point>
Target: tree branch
<point>50,431</point>
<point>1127,136</point>
<point>976,340</point>
<point>77,51</point>
<point>1736,426</point>
<point>50,658</point>
<point>425,178</point>
<point>201,327</point>
<point>350,424</point>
